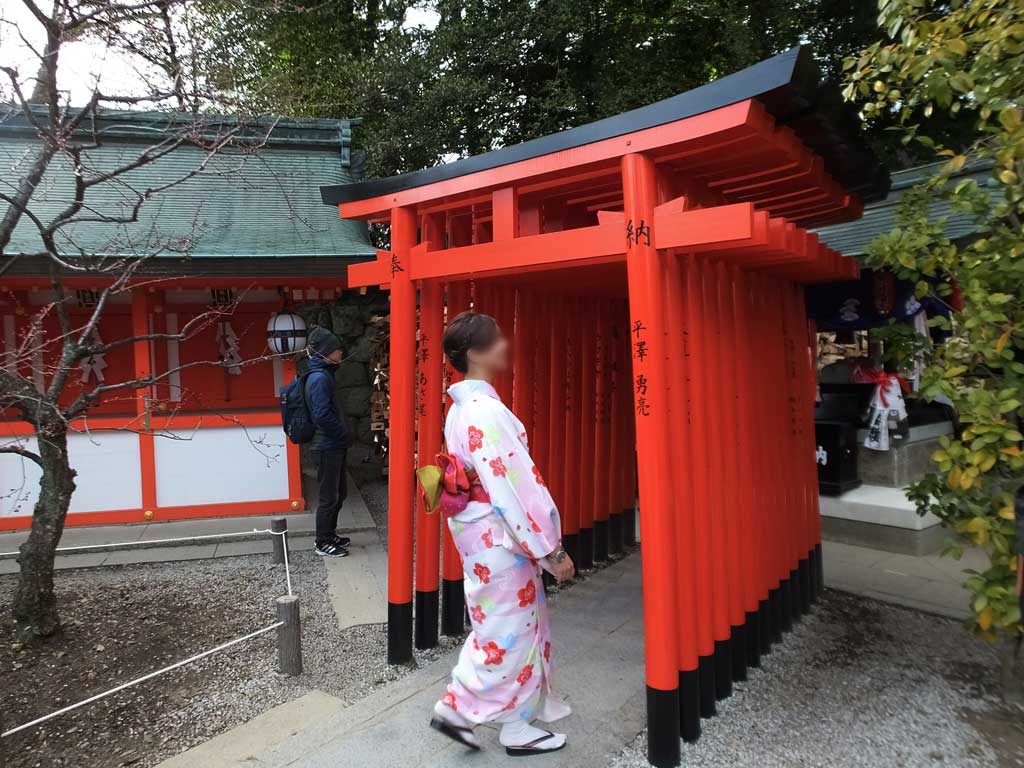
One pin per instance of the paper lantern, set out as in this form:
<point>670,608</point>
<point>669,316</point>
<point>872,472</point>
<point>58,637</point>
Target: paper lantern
<point>286,333</point>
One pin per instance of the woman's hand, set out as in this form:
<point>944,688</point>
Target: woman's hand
<point>562,571</point>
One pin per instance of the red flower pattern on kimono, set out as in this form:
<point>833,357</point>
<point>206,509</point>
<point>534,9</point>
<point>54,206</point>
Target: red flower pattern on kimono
<point>495,653</point>
<point>547,651</point>
<point>449,700</point>
<point>537,476</point>
<point>476,439</point>
<point>533,523</point>
<point>511,705</point>
<point>499,467</point>
<point>527,595</point>
<point>478,614</point>
<point>482,572</point>
<point>488,538</point>
<point>527,550</point>
<point>525,674</point>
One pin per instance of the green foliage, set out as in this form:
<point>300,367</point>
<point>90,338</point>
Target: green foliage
<point>497,72</point>
<point>963,59</point>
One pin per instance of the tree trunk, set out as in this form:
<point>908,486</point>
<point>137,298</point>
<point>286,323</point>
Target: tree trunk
<point>35,607</point>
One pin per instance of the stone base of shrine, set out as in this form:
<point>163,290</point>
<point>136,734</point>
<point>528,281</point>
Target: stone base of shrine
<point>880,517</point>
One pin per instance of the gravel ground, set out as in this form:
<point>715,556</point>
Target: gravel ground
<point>862,684</point>
<point>375,494</point>
<point>122,622</point>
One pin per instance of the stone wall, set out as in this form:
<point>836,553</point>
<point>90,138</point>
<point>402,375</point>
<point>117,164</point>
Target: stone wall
<point>349,316</point>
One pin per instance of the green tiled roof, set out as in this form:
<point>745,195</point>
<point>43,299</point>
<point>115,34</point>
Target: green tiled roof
<point>852,238</point>
<point>264,203</point>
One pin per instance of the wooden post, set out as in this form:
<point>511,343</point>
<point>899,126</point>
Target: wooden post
<point>400,466</point>
<point>647,336</point>
<point>289,636</point>
<point>279,534</point>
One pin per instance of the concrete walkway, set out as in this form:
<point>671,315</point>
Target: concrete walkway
<point>929,583</point>
<point>599,644</point>
<point>354,517</point>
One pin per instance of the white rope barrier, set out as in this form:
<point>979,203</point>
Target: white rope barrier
<point>142,679</point>
<point>284,534</point>
<point>143,543</point>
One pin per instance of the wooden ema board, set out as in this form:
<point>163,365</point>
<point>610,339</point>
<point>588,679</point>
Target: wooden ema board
<point>652,288</point>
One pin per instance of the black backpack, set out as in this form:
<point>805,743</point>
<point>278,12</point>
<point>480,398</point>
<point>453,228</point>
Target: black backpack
<point>295,416</point>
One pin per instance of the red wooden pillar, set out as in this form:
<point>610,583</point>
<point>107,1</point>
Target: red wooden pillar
<point>645,267</point>
<point>539,443</point>
<point>682,470</point>
<point>524,354</point>
<point>453,598</point>
<point>717,438</point>
<point>587,415</point>
<point>777,458</point>
<point>503,309</point>
<point>744,364</point>
<point>628,475</point>
<point>556,385</point>
<point>736,451</point>
<point>401,427</point>
<point>696,341</point>
<point>144,370</point>
<point>602,433</point>
<point>617,414</point>
<point>430,400</point>
<point>570,434</point>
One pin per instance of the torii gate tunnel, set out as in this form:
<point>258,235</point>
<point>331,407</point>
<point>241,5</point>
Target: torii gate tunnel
<point>649,269</point>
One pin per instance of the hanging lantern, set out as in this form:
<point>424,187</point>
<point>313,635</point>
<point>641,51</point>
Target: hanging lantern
<point>286,333</point>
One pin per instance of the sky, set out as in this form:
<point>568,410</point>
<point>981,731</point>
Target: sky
<point>84,63</point>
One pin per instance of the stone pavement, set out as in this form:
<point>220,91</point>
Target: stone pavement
<point>929,583</point>
<point>599,641</point>
<point>599,633</point>
<point>357,585</point>
<point>354,517</point>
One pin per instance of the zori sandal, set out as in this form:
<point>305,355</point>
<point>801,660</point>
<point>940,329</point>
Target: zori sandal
<point>456,733</point>
<point>534,747</point>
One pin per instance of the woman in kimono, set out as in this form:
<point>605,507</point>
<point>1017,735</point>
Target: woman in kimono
<point>507,533</point>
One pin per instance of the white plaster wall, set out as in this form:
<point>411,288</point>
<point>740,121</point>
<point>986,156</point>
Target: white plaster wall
<point>109,475</point>
<point>218,465</point>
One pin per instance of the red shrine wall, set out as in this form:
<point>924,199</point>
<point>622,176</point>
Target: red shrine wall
<point>204,441</point>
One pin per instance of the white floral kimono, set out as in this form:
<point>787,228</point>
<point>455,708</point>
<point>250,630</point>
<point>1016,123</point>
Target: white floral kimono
<point>504,670</point>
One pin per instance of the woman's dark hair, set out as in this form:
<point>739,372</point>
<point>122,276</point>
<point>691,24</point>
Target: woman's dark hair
<point>466,331</point>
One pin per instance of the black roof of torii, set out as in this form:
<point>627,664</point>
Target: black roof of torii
<point>788,85</point>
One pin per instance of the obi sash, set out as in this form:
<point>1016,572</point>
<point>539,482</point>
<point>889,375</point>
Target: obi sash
<point>448,486</point>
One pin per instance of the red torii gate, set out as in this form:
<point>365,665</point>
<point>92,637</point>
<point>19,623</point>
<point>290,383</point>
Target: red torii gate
<point>649,269</point>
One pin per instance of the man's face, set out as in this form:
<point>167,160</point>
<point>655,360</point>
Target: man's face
<point>334,358</point>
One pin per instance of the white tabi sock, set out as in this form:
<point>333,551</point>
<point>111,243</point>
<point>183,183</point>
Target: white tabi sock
<point>450,715</point>
<point>520,733</point>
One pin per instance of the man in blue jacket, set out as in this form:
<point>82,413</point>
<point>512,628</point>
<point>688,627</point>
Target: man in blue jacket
<point>330,441</point>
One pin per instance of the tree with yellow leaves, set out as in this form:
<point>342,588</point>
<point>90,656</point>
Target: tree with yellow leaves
<point>963,60</point>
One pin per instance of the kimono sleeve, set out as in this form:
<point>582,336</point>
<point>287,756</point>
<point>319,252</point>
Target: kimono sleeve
<point>514,484</point>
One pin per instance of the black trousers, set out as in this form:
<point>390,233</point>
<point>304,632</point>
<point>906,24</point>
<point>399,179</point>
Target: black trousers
<point>330,477</point>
